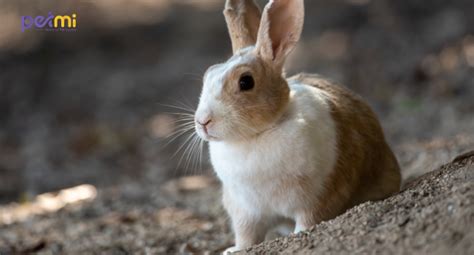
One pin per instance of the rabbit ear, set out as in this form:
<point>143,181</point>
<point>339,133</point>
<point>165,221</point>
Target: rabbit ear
<point>243,19</point>
<point>280,30</point>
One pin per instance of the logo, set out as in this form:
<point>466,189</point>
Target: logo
<point>50,23</point>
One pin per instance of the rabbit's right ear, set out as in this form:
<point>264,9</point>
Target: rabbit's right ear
<point>280,30</point>
<point>243,20</point>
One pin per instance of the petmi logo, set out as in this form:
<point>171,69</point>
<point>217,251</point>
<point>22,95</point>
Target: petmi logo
<point>50,23</point>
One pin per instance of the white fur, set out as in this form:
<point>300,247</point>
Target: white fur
<point>303,143</point>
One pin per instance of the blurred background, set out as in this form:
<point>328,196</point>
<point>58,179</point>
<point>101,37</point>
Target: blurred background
<point>91,106</point>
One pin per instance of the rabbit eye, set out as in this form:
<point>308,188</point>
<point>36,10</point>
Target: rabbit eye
<point>246,82</point>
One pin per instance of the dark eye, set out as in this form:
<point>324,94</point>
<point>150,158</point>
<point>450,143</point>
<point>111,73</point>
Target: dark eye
<point>246,82</point>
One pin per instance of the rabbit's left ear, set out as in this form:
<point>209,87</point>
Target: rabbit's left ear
<point>243,19</point>
<point>280,30</point>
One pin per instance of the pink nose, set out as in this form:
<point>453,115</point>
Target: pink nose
<point>204,122</point>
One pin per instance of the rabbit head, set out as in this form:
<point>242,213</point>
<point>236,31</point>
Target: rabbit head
<point>246,95</point>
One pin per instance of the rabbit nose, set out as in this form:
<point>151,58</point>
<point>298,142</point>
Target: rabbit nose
<point>204,122</point>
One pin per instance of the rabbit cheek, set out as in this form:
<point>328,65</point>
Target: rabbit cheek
<point>241,121</point>
<point>263,110</point>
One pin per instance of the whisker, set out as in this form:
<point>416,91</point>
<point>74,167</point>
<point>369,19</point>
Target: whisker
<point>193,158</point>
<point>201,147</point>
<point>181,114</point>
<point>181,127</point>
<point>184,143</point>
<point>188,152</point>
<point>187,105</point>
<point>184,125</point>
<point>180,123</point>
<point>177,135</point>
<point>186,109</point>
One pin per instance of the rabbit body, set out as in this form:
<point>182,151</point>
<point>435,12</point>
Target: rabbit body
<point>300,149</point>
<point>301,168</point>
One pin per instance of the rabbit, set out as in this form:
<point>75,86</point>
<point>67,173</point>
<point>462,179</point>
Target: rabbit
<point>301,148</point>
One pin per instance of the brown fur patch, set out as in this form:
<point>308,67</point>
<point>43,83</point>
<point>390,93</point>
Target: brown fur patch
<point>366,168</point>
<point>261,106</point>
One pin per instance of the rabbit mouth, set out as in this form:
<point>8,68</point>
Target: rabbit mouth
<point>204,134</point>
<point>209,138</point>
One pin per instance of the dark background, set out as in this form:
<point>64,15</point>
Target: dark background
<point>88,106</point>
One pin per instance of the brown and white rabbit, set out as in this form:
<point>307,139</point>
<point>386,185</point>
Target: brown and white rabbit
<point>299,148</point>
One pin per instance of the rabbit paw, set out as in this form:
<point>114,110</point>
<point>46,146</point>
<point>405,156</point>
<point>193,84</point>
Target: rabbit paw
<point>230,250</point>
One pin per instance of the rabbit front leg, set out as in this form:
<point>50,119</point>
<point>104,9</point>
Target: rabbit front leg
<point>248,231</point>
<point>304,220</point>
<point>249,228</point>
